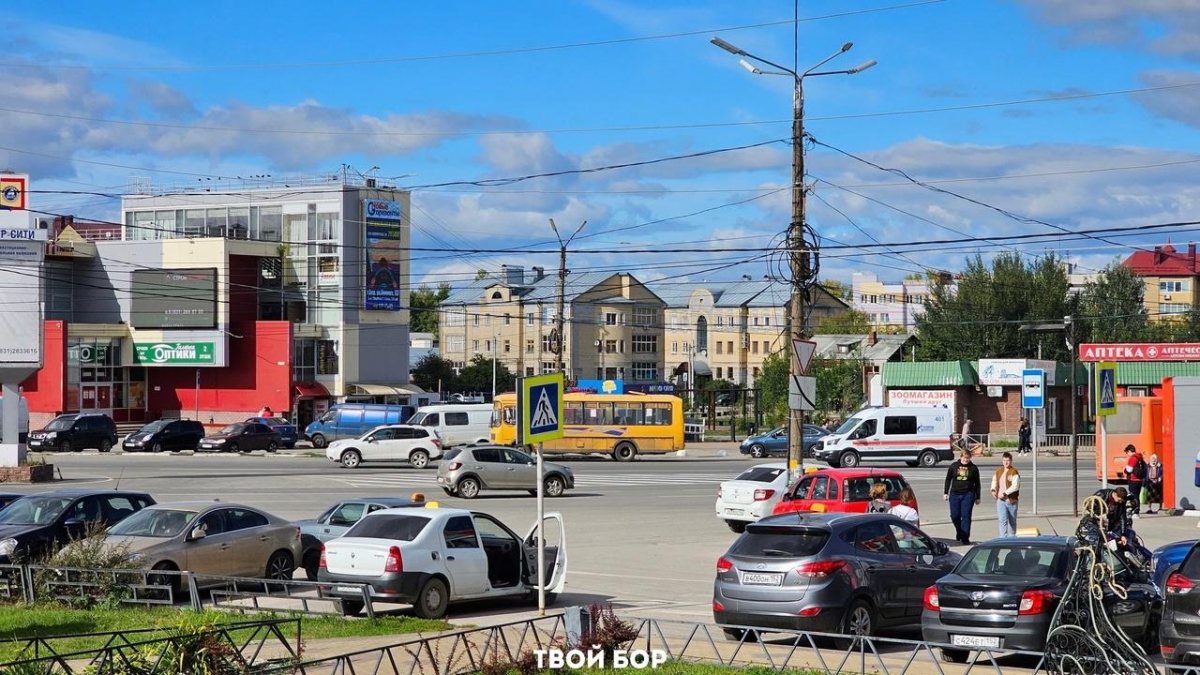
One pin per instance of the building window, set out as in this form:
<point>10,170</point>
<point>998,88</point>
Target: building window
<point>474,345</point>
<point>529,318</point>
<point>720,320</point>
<point>507,347</point>
<point>754,347</point>
<point>487,319</point>
<point>1173,308</point>
<point>529,346</point>
<point>729,346</point>
<point>507,319</point>
<point>1137,391</point>
<point>456,343</point>
<point>610,318</point>
<point>674,347</point>
<point>1171,286</point>
<point>610,346</point>
<point>646,371</point>
<point>756,372</point>
<point>455,318</point>
<point>474,319</point>
<point>645,317</point>
<point>487,345</point>
<point>720,345</point>
<point>547,315</point>
<point>645,344</point>
<point>766,347</point>
<point>547,344</point>
<point>528,371</point>
<point>327,357</point>
<point>756,321</point>
<point>1051,414</point>
<point>549,367</point>
<point>314,357</point>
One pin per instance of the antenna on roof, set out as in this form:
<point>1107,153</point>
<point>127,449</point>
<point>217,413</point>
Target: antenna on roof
<point>119,476</point>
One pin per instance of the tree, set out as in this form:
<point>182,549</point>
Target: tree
<point>424,304</point>
<point>1111,308</point>
<point>481,274</point>
<point>772,384</point>
<point>839,289</point>
<point>433,373</point>
<point>839,384</point>
<point>850,322</point>
<point>477,376</point>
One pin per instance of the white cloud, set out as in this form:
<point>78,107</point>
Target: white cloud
<point>1169,27</point>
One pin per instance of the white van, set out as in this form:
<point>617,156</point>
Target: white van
<point>22,419</point>
<point>456,423</point>
<point>915,436</point>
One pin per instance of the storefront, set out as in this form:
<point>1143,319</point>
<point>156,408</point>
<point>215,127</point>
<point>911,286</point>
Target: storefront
<point>98,381</point>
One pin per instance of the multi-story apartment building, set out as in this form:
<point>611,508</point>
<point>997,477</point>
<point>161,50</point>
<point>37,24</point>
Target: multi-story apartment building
<point>889,304</point>
<point>1170,279</point>
<point>612,324</point>
<point>725,329</point>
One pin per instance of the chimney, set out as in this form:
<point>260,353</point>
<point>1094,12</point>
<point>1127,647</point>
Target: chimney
<point>513,275</point>
<point>746,277</point>
<point>1192,257</point>
<point>1159,257</point>
<point>872,338</point>
<point>539,273</point>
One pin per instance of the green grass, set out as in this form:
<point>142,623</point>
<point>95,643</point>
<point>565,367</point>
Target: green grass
<point>18,621</point>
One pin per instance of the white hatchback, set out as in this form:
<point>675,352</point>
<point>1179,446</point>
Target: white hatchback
<point>390,443</point>
<point>752,495</point>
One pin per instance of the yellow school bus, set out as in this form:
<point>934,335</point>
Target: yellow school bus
<point>621,425</point>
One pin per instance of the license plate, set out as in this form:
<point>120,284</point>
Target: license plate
<point>347,589</point>
<point>734,512</point>
<point>35,442</point>
<point>759,579</point>
<point>975,641</point>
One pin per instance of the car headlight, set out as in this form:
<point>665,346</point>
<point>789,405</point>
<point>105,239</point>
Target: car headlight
<point>49,435</point>
<point>7,546</point>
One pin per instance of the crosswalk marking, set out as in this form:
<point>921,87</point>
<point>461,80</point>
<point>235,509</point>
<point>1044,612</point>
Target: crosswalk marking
<point>581,480</point>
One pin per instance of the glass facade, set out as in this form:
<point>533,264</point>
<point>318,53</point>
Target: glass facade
<point>97,380</point>
<point>235,222</point>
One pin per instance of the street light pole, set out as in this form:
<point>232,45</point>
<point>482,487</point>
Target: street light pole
<point>798,249</point>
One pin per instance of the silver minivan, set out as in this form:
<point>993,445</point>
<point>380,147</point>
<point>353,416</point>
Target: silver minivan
<point>463,472</point>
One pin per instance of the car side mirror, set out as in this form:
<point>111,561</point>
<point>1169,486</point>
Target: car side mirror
<point>196,534</point>
<point>75,523</point>
<point>940,548</point>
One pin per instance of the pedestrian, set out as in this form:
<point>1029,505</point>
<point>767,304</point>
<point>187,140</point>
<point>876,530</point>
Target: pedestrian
<point>962,491</point>
<point>265,411</point>
<point>1006,486</point>
<point>905,508</point>
<point>964,439</point>
<point>1154,484</point>
<point>1024,438</point>
<point>1135,473</point>
<point>879,499</point>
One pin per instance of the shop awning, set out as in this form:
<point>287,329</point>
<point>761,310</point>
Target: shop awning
<point>384,390</point>
<point>311,390</point>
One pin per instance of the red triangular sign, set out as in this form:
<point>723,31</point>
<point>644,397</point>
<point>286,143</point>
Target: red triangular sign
<point>804,352</point>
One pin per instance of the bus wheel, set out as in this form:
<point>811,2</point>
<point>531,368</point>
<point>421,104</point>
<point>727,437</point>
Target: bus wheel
<point>624,452</point>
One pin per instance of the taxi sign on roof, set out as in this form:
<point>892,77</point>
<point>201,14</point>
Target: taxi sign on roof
<point>540,408</point>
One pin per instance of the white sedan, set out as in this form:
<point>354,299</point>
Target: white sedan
<point>752,495</point>
<point>434,556</point>
<point>391,443</point>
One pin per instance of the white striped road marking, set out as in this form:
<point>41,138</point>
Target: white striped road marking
<point>631,480</point>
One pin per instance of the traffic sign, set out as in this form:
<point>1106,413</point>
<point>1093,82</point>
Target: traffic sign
<point>1106,388</point>
<point>540,408</point>
<point>1033,388</point>
<point>802,393</point>
<point>804,352</point>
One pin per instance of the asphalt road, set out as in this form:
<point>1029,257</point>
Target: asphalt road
<point>643,534</point>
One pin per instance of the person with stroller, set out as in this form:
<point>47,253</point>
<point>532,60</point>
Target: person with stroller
<point>1122,539</point>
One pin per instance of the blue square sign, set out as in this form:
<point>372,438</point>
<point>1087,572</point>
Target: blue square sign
<point>1033,388</point>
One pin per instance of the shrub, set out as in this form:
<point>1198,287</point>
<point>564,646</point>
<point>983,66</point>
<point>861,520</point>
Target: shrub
<point>89,552</point>
<point>606,632</point>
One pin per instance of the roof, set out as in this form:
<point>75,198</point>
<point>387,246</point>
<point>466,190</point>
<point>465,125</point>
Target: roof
<point>530,290</point>
<point>198,505</point>
<point>83,492</point>
<point>929,374</point>
<point>1153,373</point>
<point>740,293</point>
<point>1163,261</point>
<point>886,347</point>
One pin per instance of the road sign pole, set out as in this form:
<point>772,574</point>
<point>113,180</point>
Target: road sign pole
<point>1033,415</point>
<point>1104,461</point>
<point>541,535</point>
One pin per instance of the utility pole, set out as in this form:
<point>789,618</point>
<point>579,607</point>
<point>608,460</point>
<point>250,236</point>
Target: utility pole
<point>560,342</point>
<point>1070,326</point>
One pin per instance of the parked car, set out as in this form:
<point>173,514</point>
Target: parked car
<point>7,498</point>
<point>1003,594</point>
<point>392,443</point>
<point>351,420</point>
<point>36,525</point>
<point>752,495</point>
<point>173,435</point>
<point>846,490</point>
<point>75,432</point>
<point>1179,633</point>
<point>434,556</point>
<point>209,538</point>
<point>463,472</point>
<point>915,436</point>
<point>338,519</point>
<point>775,442</point>
<point>457,424</point>
<point>827,572</point>
<point>1166,559</point>
<point>288,434</point>
<point>242,437</point>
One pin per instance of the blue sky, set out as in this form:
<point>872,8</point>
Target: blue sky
<point>465,91</point>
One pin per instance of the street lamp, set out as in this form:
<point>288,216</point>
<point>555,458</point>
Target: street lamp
<point>799,260</point>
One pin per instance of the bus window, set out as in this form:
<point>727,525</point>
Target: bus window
<point>510,415</point>
<point>658,414</point>
<point>1127,420</point>
<point>599,413</point>
<point>573,413</point>
<point>626,413</point>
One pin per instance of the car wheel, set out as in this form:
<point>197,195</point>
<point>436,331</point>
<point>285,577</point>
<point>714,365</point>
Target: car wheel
<point>740,634</point>
<point>468,488</point>
<point>319,442</point>
<point>272,446</point>
<point>312,564</point>
<point>105,445</point>
<point>171,581</point>
<point>1150,641</point>
<point>233,447</point>
<point>849,460</point>
<point>927,459</point>
<point>738,526</point>
<point>553,486</point>
<point>280,566</point>
<point>66,446</point>
<point>418,459</point>
<point>757,451</point>
<point>351,607</point>
<point>955,655</point>
<point>859,620</point>
<point>157,447</point>
<point>351,459</point>
<point>432,599</point>
<point>910,463</point>
<point>624,452</point>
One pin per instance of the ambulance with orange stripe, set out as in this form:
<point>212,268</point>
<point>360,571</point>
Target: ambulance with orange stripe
<point>915,436</point>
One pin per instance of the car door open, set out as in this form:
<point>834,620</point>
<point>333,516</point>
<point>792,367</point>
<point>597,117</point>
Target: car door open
<point>465,558</point>
<point>556,553</point>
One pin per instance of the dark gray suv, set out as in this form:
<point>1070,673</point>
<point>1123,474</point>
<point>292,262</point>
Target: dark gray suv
<point>827,572</point>
<point>74,432</point>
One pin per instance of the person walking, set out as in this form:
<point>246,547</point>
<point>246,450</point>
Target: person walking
<point>1135,473</point>
<point>905,508</point>
<point>1154,484</point>
<point>1006,486</point>
<point>1024,438</point>
<point>962,491</point>
<point>964,439</point>
<point>879,499</point>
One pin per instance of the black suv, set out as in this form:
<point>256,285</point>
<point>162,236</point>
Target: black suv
<point>165,435</point>
<point>37,525</point>
<point>76,431</point>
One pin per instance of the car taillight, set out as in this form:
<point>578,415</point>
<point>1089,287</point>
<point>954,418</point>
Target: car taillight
<point>322,564</point>
<point>931,599</point>
<point>723,565</point>
<point>395,562</point>
<point>1177,584</point>
<point>718,607</point>
<point>820,569</point>
<point>298,534</point>
<point>720,491</point>
<point>762,494</point>
<point>809,611</point>
<point>1035,602</point>
<point>436,442</point>
<point>455,466</point>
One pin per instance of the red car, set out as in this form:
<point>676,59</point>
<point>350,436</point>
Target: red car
<point>840,490</point>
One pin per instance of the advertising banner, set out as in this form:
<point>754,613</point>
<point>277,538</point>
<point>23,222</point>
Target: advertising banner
<point>185,298</point>
<point>174,353</point>
<point>1140,351</point>
<point>1007,372</point>
<point>21,318</point>
<point>383,266</point>
<point>921,398</point>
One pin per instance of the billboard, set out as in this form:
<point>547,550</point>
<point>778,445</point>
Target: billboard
<point>21,320</point>
<point>184,298</point>
<point>382,239</point>
<point>174,353</point>
<point>921,398</point>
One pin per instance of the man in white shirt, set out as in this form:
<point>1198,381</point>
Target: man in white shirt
<point>1006,488</point>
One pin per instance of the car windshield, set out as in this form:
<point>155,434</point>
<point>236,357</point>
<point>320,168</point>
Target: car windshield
<point>163,523</point>
<point>780,542</point>
<point>234,429</point>
<point>761,474</point>
<point>417,418</point>
<point>1011,561</point>
<point>153,427</point>
<point>451,454</point>
<point>274,421</point>
<point>387,526</point>
<point>60,424</point>
<point>848,425</point>
<point>34,510</point>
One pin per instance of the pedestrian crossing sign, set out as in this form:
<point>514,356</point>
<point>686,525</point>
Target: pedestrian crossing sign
<point>1106,388</point>
<point>540,408</point>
